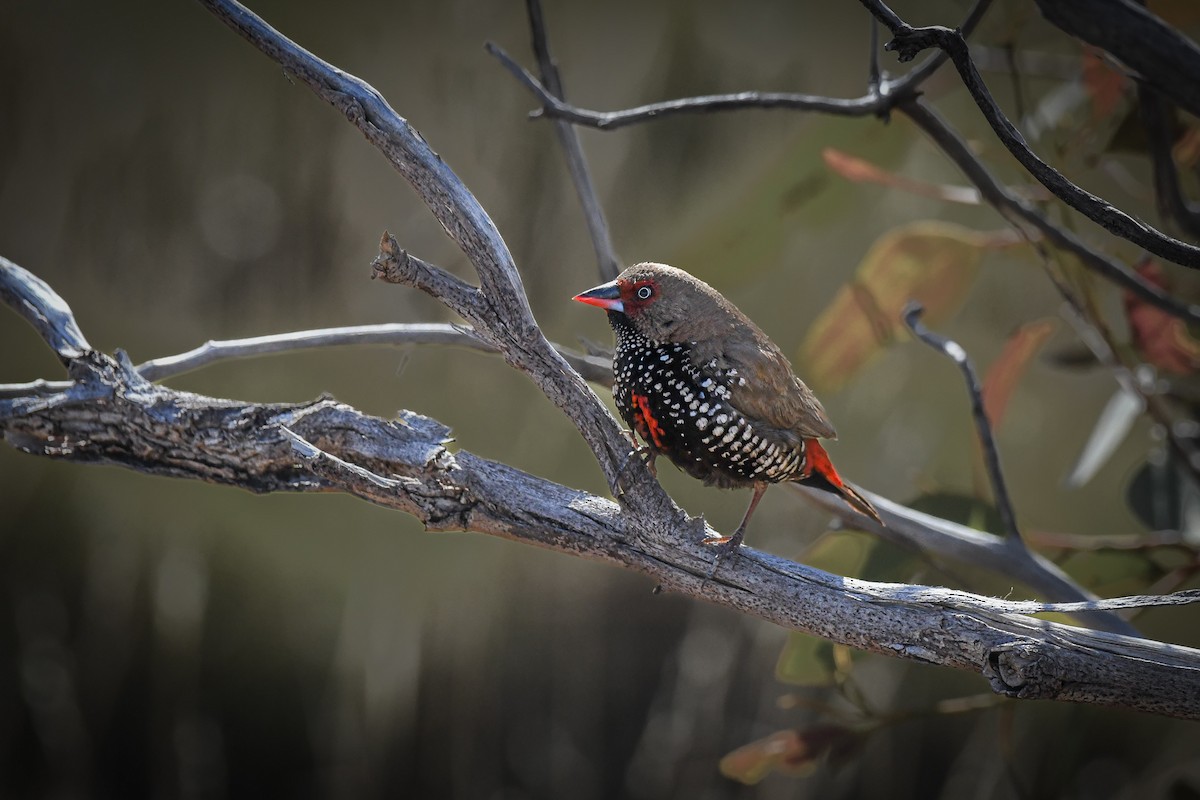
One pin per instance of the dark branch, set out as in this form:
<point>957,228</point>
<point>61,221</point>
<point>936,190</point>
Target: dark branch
<point>879,102</point>
<point>909,41</point>
<point>611,120</point>
<point>593,212</point>
<point>900,95</point>
<point>1158,52</point>
<point>1017,209</point>
<point>991,456</point>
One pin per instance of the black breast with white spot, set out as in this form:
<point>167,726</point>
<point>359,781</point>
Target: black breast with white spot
<point>697,427</point>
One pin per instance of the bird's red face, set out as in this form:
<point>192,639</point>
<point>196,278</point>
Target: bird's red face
<point>629,297</point>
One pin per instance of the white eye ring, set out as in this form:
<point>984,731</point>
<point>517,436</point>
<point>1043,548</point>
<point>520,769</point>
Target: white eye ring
<point>644,293</point>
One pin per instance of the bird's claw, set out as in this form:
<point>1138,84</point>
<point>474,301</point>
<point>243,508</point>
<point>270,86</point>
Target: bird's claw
<point>646,453</point>
<point>723,547</point>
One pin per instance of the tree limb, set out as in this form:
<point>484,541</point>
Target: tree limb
<point>499,309</point>
<point>568,137</point>
<point>909,41</point>
<point>991,456</point>
<point>1156,51</point>
<point>113,415</point>
<point>900,96</point>
<point>1017,209</point>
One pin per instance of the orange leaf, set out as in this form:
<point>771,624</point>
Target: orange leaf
<point>794,752</point>
<point>1160,338</point>
<point>1006,371</point>
<point>932,262</point>
<point>1104,84</point>
<point>1186,151</point>
<point>860,171</point>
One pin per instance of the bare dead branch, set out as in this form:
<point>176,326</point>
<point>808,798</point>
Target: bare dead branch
<point>395,264</point>
<point>499,310</point>
<point>943,539</point>
<point>568,137</point>
<point>112,415</point>
<point>983,427</point>
<point>594,369</point>
<point>901,96</point>
<point>33,299</point>
<point>909,41</point>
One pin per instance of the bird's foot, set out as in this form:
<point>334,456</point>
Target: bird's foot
<point>646,453</point>
<point>723,547</point>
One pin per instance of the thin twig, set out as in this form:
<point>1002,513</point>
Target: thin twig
<point>877,103</point>
<point>983,427</point>
<point>611,120</point>
<point>1018,209</point>
<point>901,96</point>
<point>909,41</point>
<point>1147,45</point>
<point>568,137</point>
<point>596,370</point>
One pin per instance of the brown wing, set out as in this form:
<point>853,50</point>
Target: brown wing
<point>771,393</point>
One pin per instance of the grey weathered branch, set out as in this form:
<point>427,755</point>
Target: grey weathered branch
<point>594,369</point>
<point>498,309</point>
<point>113,415</point>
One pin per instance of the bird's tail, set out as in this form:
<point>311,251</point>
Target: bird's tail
<point>820,474</point>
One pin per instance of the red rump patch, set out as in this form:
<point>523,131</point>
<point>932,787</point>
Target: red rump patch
<point>817,460</point>
<point>649,428</point>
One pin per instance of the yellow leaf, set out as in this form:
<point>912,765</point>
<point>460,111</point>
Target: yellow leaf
<point>931,262</point>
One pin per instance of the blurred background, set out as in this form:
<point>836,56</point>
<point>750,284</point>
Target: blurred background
<point>174,639</point>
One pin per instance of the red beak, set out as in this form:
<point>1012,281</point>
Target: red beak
<point>606,296</point>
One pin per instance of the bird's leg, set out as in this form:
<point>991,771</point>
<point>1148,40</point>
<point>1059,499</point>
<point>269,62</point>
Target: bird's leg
<point>643,451</point>
<point>728,544</point>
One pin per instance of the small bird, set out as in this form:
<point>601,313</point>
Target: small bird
<point>702,384</point>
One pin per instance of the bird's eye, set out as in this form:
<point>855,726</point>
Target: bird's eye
<point>644,293</point>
